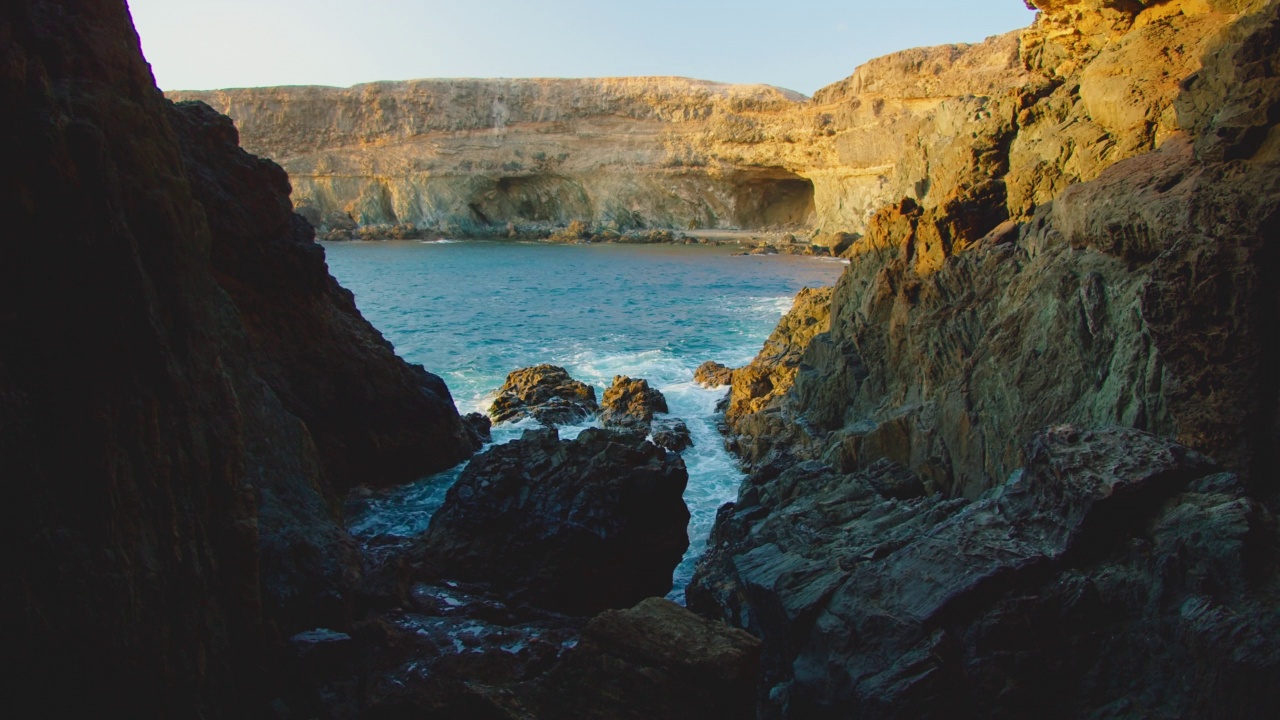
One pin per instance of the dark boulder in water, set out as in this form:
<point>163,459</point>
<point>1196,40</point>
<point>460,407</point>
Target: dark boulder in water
<point>480,423</point>
<point>575,526</point>
<point>672,434</point>
<point>631,403</point>
<point>545,393</point>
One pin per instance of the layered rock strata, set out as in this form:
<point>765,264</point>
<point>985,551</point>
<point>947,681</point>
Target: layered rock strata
<point>1115,574</point>
<point>1117,272</point>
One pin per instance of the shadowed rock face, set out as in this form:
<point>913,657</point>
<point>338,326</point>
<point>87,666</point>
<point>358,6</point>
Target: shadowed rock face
<point>575,526</point>
<point>169,521</point>
<point>376,420</point>
<point>1094,582</point>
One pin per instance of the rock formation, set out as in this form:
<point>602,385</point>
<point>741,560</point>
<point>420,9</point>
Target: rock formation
<point>1115,574</point>
<point>545,393</point>
<point>1110,266</point>
<point>575,526</point>
<point>170,519</point>
<point>631,403</point>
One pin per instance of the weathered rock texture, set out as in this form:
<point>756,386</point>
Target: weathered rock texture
<point>575,526</point>
<point>1115,575</point>
<point>545,393</point>
<point>167,522</point>
<point>1137,298</point>
<point>630,402</point>
<point>910,541</point>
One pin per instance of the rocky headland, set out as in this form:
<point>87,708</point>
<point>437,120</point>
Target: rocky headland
<point>1021,460</point>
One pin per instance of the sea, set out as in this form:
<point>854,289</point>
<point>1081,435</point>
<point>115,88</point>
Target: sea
<point>473,311</point>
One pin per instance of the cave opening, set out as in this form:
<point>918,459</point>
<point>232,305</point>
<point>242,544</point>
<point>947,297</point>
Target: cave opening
<point>774,198</point>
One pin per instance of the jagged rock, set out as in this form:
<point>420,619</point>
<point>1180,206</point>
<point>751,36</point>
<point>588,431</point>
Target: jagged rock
<point>774,368</point>
<point>570,525</point>
<point>1082,584</point>
<point>545,393</point>
<point>630,403</point>
<point>712,374</point>
<point>672,434</point>
<point>375,419</point>
<point>656,660</point>
<point>480,423</point>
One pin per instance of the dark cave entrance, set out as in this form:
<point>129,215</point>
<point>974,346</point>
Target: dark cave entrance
<point>773,198</point>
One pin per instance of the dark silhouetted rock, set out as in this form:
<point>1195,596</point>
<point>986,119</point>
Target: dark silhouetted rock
<point>571,525</point>
<point>480,423</point>
<point>656,660</point>
<point>672,434</point>
<point>631,403</point>
<point>545,393</point>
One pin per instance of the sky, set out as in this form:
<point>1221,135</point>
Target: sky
<point>797,44</point>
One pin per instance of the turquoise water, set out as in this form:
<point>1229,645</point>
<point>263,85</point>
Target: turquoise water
<point>472,312</point>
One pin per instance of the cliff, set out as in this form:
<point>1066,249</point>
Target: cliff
<point>164,436</point>
<point>984,493</point>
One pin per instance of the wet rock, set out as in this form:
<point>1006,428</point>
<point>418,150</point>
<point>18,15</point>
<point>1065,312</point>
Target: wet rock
<point>712,374</point>
<point>545,393</point>
<point>631,403</point>
<point>672,434</point>
<point>1081,583</point>
<point>656,660</point>
<point>575,526</point>
<point>480,423</point>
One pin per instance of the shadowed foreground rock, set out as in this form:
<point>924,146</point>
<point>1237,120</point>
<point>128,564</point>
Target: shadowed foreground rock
<point>657,660</point>
<point>576,526</point>
<point>1116,573</point>
<point>545,393</point>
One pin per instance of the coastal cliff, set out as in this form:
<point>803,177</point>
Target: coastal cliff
<point>985,490</point>
<point>171,520</point>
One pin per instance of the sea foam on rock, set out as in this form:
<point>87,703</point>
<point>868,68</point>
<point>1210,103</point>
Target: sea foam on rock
<point>576,526</point>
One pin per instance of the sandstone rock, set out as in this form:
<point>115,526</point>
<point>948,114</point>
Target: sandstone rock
<point>575,526</point>
<point>630,403</point>
<point>774,368</point>
<point>657,660</point>
<point>545,393</point>
<point>1058,592</point>
<point>672,434</point>
<point>712,374</point>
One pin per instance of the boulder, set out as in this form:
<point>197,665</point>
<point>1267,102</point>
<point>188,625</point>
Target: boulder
<point>575,526</point>
<point>631,403</point>
<point>712,374</point>
<point>545,393</point>
<point>480,424</point>
<point>672,434</point>
<point>656,660</point>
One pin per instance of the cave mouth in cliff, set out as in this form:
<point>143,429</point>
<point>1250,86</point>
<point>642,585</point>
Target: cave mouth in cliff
<point>773,197</point>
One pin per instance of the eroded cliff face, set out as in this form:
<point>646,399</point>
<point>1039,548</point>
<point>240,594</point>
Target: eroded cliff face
<point>1120,272</point>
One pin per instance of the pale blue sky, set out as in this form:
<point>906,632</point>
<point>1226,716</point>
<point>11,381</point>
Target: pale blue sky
<point>797,44</point>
